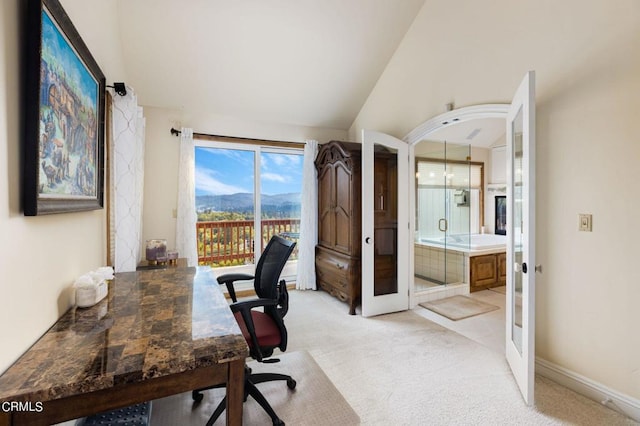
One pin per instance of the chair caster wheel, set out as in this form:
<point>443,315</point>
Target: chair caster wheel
<point>197,396</point>
<point>291,384</point>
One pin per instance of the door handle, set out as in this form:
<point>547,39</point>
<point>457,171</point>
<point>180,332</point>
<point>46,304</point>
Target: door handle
<point>446,225</point>
<point>524,267</point>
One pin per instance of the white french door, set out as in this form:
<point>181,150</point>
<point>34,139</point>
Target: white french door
<point>520,302</point>
<point>385,224</point>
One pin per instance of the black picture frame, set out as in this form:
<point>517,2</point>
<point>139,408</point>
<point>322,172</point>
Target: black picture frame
<point>64,115</point>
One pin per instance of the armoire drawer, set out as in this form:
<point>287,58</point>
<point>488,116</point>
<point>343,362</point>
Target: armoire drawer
<point>333,263</point>
<point>328,278</point>
<point>339,275</point>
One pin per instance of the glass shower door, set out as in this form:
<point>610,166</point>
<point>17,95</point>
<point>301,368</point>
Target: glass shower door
<point>458,207</point>
<point>431,219</point>
<point>442,215</point>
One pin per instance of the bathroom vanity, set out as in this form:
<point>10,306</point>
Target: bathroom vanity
<point>487,270</point>
<point>477,259</point>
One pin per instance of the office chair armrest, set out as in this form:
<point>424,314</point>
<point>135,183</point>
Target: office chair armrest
<point>250,304</point>
<point>229,279</point>
<point>224,278</point>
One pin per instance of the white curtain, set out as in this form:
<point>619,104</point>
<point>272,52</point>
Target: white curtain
<point>306,278</point>
<point>127,181</point>
<point>186,220</point>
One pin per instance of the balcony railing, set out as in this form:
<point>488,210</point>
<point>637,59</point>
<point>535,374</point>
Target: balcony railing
<point>231,242</point>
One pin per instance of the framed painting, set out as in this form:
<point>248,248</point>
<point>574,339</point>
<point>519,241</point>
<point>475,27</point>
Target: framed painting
<point>64,110</point>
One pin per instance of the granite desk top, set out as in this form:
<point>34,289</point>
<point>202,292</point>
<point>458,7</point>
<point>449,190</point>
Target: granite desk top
<point>152,323</point>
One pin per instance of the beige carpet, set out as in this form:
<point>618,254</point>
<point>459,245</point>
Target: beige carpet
<point>459,307</point>
<point>315,401</point>
<point>401,369</point>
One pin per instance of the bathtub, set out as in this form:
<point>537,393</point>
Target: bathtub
<point>467,242</point>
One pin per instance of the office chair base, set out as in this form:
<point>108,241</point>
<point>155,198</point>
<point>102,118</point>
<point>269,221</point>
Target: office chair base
<point>197,396</point>
<point>250,389</point>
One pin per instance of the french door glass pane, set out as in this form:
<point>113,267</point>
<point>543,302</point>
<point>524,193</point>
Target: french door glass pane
<point>385,220</point>
<point>518,246</point>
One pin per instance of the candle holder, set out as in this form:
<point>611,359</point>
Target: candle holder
<point>156,251</point>
<point>172,257</point>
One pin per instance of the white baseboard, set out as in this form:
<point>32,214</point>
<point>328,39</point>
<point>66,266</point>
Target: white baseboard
<point>615,400</point>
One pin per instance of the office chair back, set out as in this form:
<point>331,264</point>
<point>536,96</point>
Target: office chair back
<point>270,266</point>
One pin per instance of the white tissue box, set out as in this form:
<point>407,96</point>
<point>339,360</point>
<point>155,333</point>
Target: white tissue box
<point>89,296</point>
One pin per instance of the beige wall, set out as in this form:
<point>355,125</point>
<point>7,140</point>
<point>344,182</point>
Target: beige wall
<point>587,61</point>
<point>41,256</point>
<point>162,154</point>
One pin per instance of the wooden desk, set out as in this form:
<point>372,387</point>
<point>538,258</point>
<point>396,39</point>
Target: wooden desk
<point>158,333</point>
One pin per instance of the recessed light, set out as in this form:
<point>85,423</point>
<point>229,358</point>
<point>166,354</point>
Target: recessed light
<point>473,134</point>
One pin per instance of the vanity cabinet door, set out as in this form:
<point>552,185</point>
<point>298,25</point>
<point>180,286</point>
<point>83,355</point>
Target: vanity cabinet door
<point>502,268</point>
<point>484,270</point>
<point>487,271</point>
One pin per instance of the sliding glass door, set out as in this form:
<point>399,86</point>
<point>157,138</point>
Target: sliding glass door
<point>244,195</point>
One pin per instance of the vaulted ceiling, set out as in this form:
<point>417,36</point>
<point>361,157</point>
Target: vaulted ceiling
<point>299,62</point>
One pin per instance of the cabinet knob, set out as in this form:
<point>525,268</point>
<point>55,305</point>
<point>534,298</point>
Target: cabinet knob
<point>339,266</point>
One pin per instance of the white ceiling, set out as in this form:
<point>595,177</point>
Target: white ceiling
<point>300,62</point>
<point>481,133</point>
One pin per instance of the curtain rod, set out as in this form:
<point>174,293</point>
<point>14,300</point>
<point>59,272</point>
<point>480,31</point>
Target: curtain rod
<point>234,139</point>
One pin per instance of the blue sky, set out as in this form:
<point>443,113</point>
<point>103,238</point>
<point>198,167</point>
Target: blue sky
<point>54,44</point>
<point>226,171</point>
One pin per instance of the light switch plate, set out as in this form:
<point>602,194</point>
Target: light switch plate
<point>584,222</point>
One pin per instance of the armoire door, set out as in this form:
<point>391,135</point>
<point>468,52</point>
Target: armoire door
<point>326,236</point>
<point>343,207</point>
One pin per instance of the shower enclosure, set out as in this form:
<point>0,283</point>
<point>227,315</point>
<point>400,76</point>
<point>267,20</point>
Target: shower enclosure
<point>444,202</point>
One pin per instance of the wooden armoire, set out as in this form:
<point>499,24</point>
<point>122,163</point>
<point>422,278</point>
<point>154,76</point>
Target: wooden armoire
<point>339,221</point>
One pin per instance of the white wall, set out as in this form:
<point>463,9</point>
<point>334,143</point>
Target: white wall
<point>41,256</point>
<point>587,61</point>
<point>162,154</point>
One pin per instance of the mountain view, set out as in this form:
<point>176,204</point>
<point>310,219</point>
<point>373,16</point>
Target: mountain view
<point>273,206</point>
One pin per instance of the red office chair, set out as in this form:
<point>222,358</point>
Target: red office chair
<point>263,330</point>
